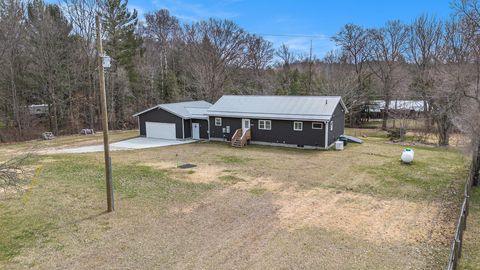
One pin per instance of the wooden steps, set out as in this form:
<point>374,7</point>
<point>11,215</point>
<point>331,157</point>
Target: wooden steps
<point>240,139</point>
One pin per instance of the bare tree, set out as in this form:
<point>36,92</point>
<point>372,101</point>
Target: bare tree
<point>12,37</point>
<point>163,32</point>
<point>216,49</point>
<point>81,14</point>
<point>353,41</point>
<point>340,79</point>
<point>50,47</point>
<point>259,56</point>
<point>424,47</point>
<point>284,69</point>
<point>386,48</point>
<point>468,12</point>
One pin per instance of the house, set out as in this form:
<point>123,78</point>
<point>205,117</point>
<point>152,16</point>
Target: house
<point>296,121</point>
<point>175,121</point>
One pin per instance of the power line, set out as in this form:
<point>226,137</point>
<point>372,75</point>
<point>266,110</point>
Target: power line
<point>295,35</point>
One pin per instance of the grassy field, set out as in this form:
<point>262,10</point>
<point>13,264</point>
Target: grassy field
<point>252,208</point>
<point>471,239</point>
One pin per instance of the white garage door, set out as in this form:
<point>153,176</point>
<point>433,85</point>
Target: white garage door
<point>160,130</point>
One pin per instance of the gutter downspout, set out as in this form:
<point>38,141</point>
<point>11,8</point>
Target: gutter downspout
<point>183,129</point>
<point>138,122</point>
<point>326,134</point>
<point>208,123</point>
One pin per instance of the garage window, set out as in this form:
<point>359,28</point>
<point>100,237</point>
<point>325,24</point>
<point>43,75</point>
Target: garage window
<point>265,124</point>
<point>218,121</point>
<point>317,125</point>
<point>298,126</point>
<point>331,126</point>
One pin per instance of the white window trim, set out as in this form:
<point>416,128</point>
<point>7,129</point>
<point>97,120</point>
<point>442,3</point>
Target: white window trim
<point>301,126</point>
<point>331,125</point>
<point>218,121</point>
<point>265,124</point>
<point>321,123</point>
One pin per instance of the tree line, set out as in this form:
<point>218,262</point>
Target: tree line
<point>47,55</point>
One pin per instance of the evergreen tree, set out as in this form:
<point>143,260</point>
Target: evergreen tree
<point>123,46</point>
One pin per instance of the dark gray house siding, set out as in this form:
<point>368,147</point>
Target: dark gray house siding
<point>203,128</point>
<point>188,128</point>
<point>282,132</point>
<point>338,119</point>
<point>159,115</point>
<point>216,132</point>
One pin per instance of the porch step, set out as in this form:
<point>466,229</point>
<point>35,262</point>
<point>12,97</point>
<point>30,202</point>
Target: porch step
<point>237,143</point>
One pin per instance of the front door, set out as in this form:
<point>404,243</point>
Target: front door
<point>196,131</point>
<point>245,124</point>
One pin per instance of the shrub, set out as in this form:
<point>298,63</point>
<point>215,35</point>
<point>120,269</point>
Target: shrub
<point>396,134</point>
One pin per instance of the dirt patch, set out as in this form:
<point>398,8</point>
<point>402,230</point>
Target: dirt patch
<point>359,215</point>
<point>204,173</point>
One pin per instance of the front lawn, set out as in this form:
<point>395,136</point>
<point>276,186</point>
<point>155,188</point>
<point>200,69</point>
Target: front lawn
<point>256,207</point>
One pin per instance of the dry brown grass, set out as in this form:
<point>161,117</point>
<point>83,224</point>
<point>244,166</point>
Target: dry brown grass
<point>31,147</point>
<point>250,208</point>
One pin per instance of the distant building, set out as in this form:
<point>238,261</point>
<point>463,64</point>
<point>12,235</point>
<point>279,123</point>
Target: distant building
<point>398,104</point>
<point>409,108</point>
<point>38,109</point>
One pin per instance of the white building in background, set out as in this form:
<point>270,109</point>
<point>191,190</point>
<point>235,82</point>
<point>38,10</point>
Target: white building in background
<point>38,109</point>
<point>398,104</point>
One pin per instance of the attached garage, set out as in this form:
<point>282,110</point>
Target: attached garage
<point>160,130</point>
<point>175,121</point>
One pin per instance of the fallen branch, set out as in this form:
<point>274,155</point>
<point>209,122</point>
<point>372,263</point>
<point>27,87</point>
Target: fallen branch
<point>11,172</point>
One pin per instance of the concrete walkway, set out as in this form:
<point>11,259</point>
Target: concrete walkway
<point>131,144</point>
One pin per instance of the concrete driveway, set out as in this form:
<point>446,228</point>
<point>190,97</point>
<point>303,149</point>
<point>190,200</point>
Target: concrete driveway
<point>130,144</point>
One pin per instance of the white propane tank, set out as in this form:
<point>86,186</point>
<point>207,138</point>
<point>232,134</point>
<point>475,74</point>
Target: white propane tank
<point>407,155</point>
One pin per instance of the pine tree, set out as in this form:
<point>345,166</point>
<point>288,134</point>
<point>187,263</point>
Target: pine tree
<point>123,46</point>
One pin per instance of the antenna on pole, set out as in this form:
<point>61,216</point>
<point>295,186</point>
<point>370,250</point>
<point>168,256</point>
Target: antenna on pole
<point>104,62</point>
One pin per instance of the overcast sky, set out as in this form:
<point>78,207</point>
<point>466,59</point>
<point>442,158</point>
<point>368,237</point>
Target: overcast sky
<point>320,19</point>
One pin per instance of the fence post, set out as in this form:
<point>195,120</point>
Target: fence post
<point>456,248</point>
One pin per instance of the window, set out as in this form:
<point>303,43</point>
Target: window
<point>218,121</point>
<point>298,126</point>
<point>265,124</point>
<point>317,125</point>
<point>331,126</point>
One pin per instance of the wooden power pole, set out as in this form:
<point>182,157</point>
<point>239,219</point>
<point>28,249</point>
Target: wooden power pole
<point>103,103</point>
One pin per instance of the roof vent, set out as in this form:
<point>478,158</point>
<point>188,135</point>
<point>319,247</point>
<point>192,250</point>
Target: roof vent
<point>326,101</point>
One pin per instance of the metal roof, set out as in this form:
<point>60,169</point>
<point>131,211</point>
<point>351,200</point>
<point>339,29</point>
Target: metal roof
<point>398,104</point>
<point>277,107</point>
<point>185,110</point>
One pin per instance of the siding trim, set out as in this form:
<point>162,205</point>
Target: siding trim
<point>208,131</point>
<point>326,134</point>
<point>183,128</point>
<point>138,123</point>
<point>270,117</point>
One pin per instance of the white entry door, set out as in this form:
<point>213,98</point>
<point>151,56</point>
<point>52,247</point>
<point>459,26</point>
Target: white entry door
<point>160,130</point>
<point>196,131</point>
<point>245,124</point>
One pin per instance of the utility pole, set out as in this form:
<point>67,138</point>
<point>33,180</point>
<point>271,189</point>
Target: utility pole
<point>103,103</point>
